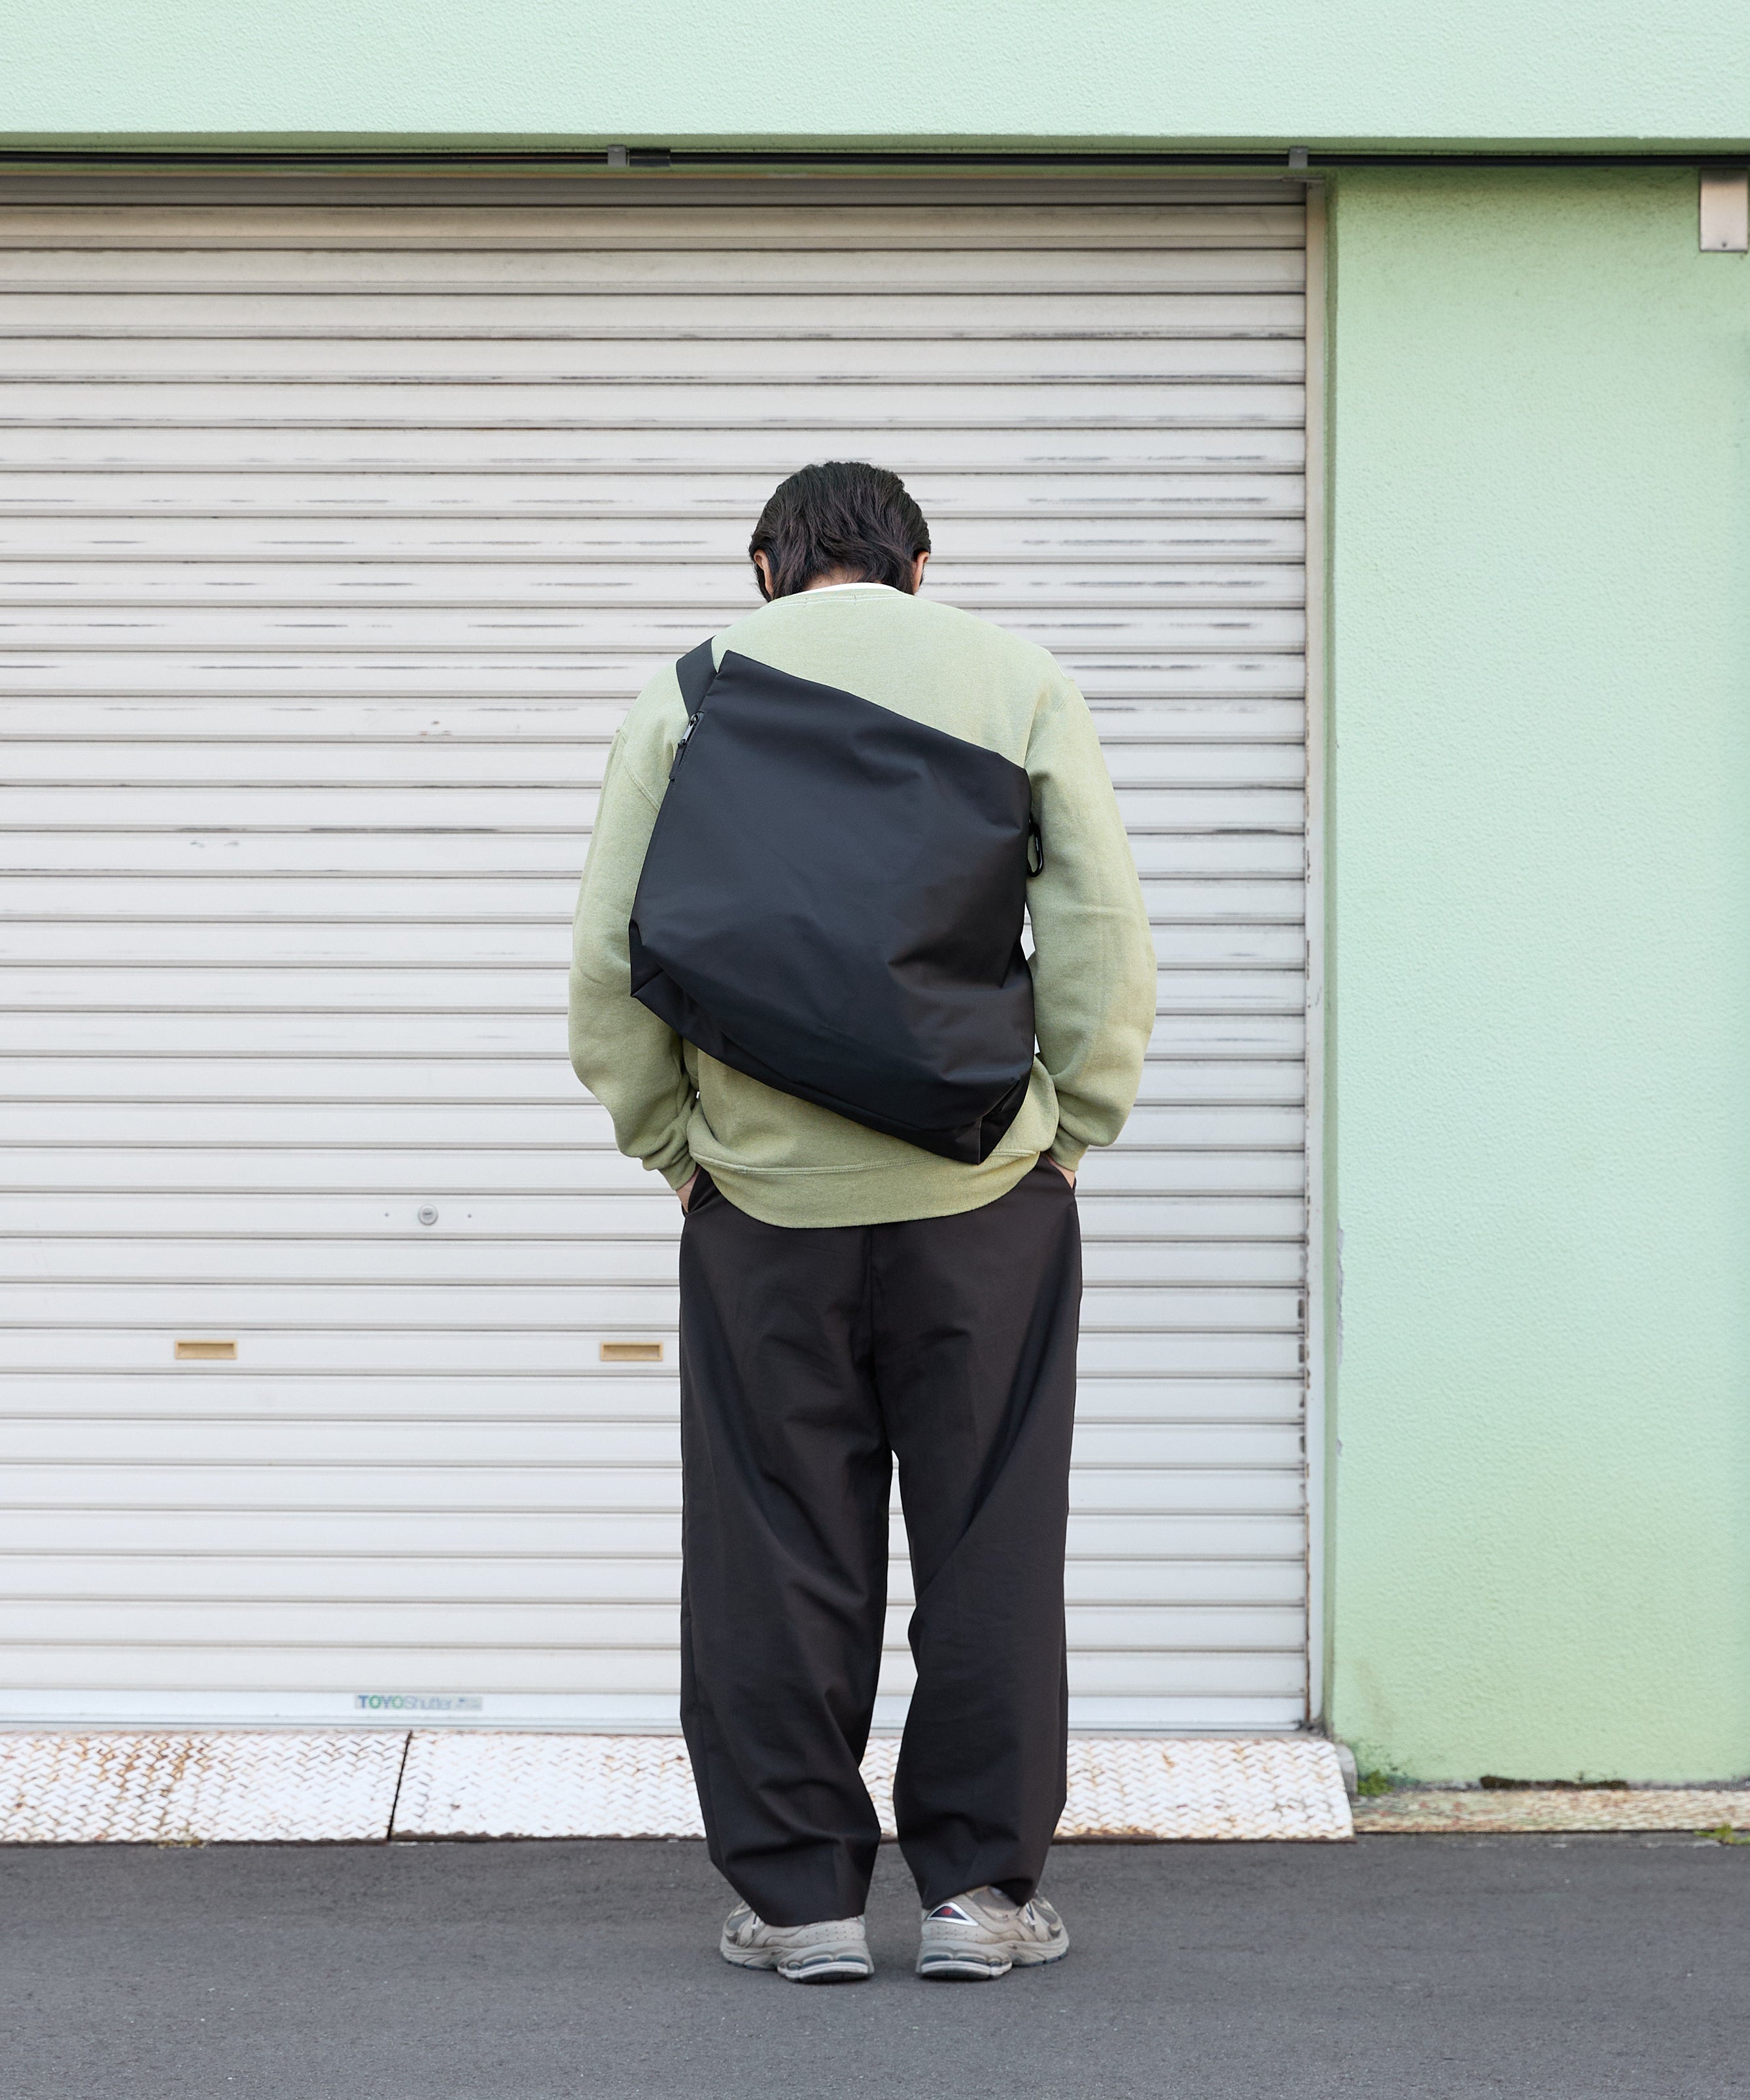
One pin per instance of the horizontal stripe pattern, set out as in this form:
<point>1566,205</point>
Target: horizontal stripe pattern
<point>333,546</point>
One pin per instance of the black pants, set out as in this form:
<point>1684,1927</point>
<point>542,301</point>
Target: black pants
<point>809,1361</point>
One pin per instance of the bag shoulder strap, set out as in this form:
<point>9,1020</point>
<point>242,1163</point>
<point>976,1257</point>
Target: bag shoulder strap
<point>695,670</point>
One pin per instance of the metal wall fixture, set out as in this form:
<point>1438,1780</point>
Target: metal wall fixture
<point>1725,211</point>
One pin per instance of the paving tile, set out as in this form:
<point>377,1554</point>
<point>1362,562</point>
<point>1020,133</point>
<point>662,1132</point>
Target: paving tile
<point>1423,1809</point>
<point>490,1784</point>
<point>215,1786</point>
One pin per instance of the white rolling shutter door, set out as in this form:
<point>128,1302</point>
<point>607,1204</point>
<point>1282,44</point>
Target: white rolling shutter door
<point>334,540</point>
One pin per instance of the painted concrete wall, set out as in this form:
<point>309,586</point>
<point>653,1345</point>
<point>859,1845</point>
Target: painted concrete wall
<point>1540,878</point>
<point>690,72</point>
<point>1542,903</point>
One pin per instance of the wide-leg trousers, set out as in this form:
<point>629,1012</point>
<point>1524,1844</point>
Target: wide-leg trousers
<point>811,1360</point>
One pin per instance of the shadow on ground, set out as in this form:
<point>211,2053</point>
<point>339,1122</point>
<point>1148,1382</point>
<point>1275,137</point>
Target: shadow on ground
<point>1562,1969</point>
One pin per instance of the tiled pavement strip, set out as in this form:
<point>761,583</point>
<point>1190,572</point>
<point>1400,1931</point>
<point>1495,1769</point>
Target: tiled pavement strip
<point>313,1786</point>
<point>340,1786</point>
<point>1425,1809</point>
<point>334,1785</point>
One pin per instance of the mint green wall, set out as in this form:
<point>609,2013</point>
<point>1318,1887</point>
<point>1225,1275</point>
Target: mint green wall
<point>1540,896</point>
<point>1539,892</point>
<point>686,73</point>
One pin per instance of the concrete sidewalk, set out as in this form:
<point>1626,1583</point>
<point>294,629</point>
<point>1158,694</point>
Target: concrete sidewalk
<point>1565,1969</point>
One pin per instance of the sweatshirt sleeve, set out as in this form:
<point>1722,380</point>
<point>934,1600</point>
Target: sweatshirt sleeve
<point>631,1062</point>
<point>1093,964</point>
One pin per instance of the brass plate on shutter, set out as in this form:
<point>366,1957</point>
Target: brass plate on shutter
<point>632,1352</point>
<point>206,1353</point>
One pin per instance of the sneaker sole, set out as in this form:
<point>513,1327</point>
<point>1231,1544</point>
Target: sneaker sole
<point>830,1969</point>
<point>823,1968</point>
<point>970,1965</point>
<point>962,1968</point>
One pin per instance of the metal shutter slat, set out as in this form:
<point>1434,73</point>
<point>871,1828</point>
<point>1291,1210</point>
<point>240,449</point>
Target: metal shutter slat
<point>335,542</point>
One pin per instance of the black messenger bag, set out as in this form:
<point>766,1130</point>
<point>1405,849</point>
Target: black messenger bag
<point>832,902</point>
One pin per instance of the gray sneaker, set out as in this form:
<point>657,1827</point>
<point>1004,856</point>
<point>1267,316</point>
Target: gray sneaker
<point>982,1935</point>
<point>836,1952</point>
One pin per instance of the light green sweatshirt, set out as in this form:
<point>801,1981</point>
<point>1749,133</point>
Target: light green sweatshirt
<point>786,1161</point>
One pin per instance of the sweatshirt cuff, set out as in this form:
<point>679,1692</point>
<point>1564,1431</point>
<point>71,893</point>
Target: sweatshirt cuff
<point>1069,1152</point>
<point>682,1172</point>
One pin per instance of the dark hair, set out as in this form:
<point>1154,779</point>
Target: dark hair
<point>843,514</point>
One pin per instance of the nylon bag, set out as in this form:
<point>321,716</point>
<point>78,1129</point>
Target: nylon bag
<point>832,902</point>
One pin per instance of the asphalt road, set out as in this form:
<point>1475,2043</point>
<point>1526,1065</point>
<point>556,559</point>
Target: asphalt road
<point>1565,1969</point>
